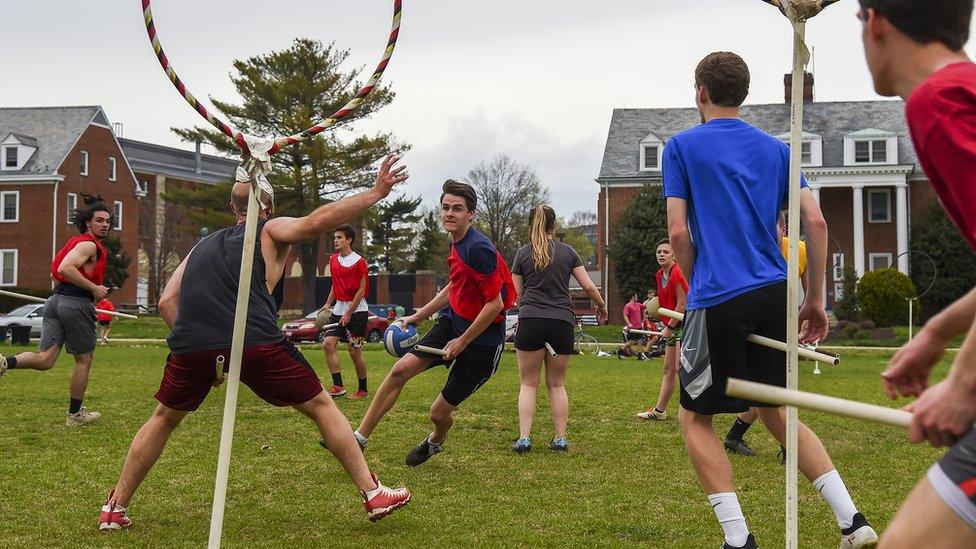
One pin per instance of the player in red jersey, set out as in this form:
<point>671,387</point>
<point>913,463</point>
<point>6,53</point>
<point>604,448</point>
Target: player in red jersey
<point>914,50</point>
<point>672,291</point>
<point>69,315</point>
<point>470,327</point>
<point>348,309</point>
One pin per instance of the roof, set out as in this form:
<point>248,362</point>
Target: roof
<point>54,129</point>
<point>177,163</point>
<point>830,120</point>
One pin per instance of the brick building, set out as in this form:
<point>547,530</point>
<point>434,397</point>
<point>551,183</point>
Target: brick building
<point>50,158</point>
<point>857,157</point>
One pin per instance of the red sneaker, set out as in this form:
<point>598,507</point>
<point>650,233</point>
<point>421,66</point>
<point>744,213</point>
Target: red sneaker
<point>113,515</point>
<point>337,391</point>
<point>382,500</point>
<point>358,395</point>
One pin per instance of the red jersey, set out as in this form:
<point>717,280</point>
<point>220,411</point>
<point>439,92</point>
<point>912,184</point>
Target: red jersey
<point>473,285</point>
<point>96,274</point>
<point>941,115</point>
<point>105,305</point>
<point>667,295</point>
<point>346,280</point>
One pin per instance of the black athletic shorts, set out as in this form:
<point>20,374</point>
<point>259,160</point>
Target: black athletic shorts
<point>471,369</point>
<point>534,333</point>
<point>954,478</point>
<point>714,348</point>
<point>631,336</point>
<point>353,333</point>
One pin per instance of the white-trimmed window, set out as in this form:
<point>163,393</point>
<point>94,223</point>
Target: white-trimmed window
<point>811,148</point>
<point>10,158</point>
<point>8,267</point>
<point>806,153</point>
<point>111,168</point>
<point>9,206</point>
<point>72,203</point>
<point>879,206</point>
<point>650,157</point>
<point>117,216</point>
<point>83,167</point>
<point>874,151</point>
<point>838,263</point>
<point>870,147</point>
<point>142,188</point>
<point>879,262</point>
<point>838,291</point>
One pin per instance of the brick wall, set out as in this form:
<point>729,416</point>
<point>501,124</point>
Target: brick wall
<point>620,199</point>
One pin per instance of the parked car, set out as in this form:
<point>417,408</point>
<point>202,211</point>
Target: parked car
<point>25,315</point>
<point>511,323</point>
<point>383,310</point>
<point>304,329</point>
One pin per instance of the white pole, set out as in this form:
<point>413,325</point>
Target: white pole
<point>792,280</point>
<point>911,303</point>
<point>234,375</point>
<point>36,299</point>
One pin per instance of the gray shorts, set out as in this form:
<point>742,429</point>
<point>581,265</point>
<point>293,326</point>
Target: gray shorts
<point>954,478</point>
<point>69,321</point>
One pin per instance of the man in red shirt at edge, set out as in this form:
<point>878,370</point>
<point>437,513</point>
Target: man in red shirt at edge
<point>348,308</point>
<point>634,316</point>
<point>69,314</point>
<point>470,328</point>
<point>914,50</point>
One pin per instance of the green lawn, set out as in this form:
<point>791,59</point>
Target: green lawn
<point>624,482</point>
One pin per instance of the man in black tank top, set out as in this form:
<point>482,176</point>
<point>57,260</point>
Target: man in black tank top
<point>201,316</point>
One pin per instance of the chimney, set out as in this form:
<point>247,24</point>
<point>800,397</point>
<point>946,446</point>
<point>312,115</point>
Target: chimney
<point>807,87</point>
<point>199,159</point>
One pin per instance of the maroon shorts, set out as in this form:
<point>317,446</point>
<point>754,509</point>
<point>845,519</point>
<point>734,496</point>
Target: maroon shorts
<point>276,372</point>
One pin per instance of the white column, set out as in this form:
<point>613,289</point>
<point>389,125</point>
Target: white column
<point>901,210</point>
<point>816,193</point>
<point>858,229</point>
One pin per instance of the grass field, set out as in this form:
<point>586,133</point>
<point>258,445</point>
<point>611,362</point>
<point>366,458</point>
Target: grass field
<point>624,482</point>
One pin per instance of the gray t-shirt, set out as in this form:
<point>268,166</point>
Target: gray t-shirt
<point>546,294</point>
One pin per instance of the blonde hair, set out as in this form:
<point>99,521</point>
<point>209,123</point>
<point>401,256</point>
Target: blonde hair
<point>542,221</point>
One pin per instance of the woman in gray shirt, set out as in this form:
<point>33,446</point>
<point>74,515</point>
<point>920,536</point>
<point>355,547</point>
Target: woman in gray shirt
<point>541,272</point>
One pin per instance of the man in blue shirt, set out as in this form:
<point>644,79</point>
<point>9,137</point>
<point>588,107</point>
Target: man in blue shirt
<point>725,183</point>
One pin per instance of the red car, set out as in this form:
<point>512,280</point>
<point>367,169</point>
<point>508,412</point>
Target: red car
<point>304,329</point>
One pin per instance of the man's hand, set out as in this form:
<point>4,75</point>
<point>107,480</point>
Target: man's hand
<point>601,315</point>
<point>389,176</point>
<point>344,321</point>
<point>908,372</point>
<point>943,413</point>
<point>409,320</point>
<point>666,332</point>
<point>454,348</point>
<point>816,326</point>
<point>99,292</point>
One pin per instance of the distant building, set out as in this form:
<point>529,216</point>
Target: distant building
<point>857,157</point>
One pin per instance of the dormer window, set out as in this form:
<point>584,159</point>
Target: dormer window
<point>10,158</point>
<point>870,147</point>
<point>811,148</point>
<point>650,153</point>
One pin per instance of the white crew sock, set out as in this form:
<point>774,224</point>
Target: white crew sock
<point>832,489</point>
<point>729,514</point>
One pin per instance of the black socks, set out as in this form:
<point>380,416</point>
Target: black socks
<point>74,406</point>
<point>337,379</point>
<point>11,362</point>
<point>738,430</point>
<point>362,384</point>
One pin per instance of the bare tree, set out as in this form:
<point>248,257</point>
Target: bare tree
<point>507,192</point>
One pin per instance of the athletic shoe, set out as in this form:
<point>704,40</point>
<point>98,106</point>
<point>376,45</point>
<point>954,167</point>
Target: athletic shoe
<point>423,451</point>
<point>782,455</point>
<point>382,501</point>
<point>750,544</point>
<point>3,365</point>
<point>358,395</point>
<point>81,417</point>
<point>559,444</point>
<point>653,414</point>
<point>522,445</point>
<point>641,356</point>
<point>113,515</point>
<point>739,447</point>
<point>620,354</point>
<point>337,391</point>
<point>859,536</point>
<point>360,439</point>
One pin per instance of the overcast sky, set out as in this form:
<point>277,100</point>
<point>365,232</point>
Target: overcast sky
<point>534,79</point>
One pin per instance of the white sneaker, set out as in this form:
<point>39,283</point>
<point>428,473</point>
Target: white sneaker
<point>81,417</point>
<point>653,414</point>
<point>862,537</point>
<point>3,365</point>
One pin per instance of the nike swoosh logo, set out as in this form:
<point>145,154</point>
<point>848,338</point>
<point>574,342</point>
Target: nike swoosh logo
<point>716,505</point>
<point>691,348</point>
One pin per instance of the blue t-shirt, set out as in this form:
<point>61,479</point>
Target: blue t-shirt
<point>735,178</point>
<point>477,251</point>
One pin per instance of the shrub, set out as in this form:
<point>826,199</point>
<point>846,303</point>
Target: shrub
<point>867,325</point>
<point>848,307</point>
<point>843,324</point>
<point>882,296</point>
<point>935,234</point>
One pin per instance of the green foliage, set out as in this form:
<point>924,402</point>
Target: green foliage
<point>507,192</point>
<point>575,237</point>
<point>283,93</point>
<point>392,233</point>
<point>632,249</point>
<point>882,294</point>
<point>117,269</point>
<point>848,307</point>
<point>433,244</point>
<point>935,234</point>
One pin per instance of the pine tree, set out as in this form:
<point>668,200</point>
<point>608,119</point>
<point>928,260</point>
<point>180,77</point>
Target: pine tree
<point>392,233</point>
<point>632,250</point>
<point>433,244</point>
